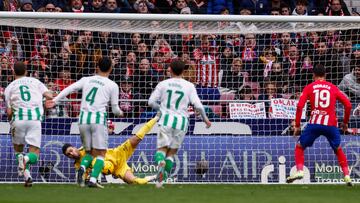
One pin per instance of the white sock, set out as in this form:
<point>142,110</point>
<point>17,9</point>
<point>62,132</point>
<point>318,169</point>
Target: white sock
<point>93,180</point>
<point>27,174</point>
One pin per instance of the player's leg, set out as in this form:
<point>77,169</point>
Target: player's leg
<point>18,140</point>
<point>136,139</point>
<point>306,139</point>
<point>85,135</point>
<point>130,178</point>
<point>99,146</point>
<point>177,140</point>
<point>163,141</point>
<point>333,136</point>
<point>33,139</point>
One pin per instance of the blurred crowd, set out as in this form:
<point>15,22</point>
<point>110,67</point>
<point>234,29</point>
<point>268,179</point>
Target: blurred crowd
<point>232,67</point>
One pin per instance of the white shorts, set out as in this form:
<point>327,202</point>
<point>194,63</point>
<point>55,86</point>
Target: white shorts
<point>169,137</point>
<point>26,132</point>
<point>94,136</point>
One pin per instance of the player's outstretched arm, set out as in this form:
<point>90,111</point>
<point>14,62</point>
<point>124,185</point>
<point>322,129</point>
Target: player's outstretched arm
<point>195,100</point>
<point>74,87</point>
<point>155,97</point>
<point>115,102</point>
<point>347,109</point>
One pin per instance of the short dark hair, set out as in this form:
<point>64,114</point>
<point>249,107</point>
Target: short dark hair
<point>19,68</point>
<point>177,67</point>
<point>104,64</point>
<point>354,63</point>
<point>319,70</point>
<point>65,147</point>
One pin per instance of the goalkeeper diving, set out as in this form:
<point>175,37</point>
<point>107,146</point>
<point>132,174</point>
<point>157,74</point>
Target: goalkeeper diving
<point>115,161</point>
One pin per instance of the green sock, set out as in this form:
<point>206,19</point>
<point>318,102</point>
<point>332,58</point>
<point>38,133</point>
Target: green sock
<point>159,157</point>
<point>98,166</point>
<point>33,158</point>
<point>169,165</point>
<point>86,161</point>
<point>17,154</point>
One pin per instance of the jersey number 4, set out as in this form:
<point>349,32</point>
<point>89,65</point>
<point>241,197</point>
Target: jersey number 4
<point>90,97</point>
<point>322,98</point>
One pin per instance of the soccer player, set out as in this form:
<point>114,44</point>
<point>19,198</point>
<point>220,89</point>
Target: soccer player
<point>115,162</point>
<point>322,96</point>
<point>97,91</point>
<point>24,102</point>
<point>175,95</point>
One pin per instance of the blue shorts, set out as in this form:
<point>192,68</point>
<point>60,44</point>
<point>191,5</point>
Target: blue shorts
<point>313,131</point>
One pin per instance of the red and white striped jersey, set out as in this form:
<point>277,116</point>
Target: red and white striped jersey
<point>322,96</point>
<point>207,70</point>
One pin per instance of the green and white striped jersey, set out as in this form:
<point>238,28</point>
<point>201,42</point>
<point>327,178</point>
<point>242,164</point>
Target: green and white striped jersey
<point>97,92</point>
<point>175,95</point>
<point>25,97</point>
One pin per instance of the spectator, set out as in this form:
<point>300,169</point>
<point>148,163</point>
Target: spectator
<point>10,5</point>
<point>116,55</point>
<point>64,80</point>
<point>249,54</point>
<point>5,71</point>
<point>322,56</point>
<point>26,6</point>
<point>259,7</point>
<point>86,54</point>
<point>207,65</point>
<point>301,8</point>
<point>245,11</point>
<point>199,6</point>
<point>112,6</point>
<point>285,10</point>
<point>336,8</point>
<point>145,83</point>
<point>179,4</point>
<point>145,6</point>
<point>75,6</point>
<point>278,74</point>
<point>50,7</point>
<point>266,61</point>
<point>190,68</point>
<point>216,6</point>
<point>226,58</point>
<point>245,93</point>
<point>95,6</point>
<point>13,48</point>
<point>350,84</point>
<point>275,11</point>
<point>105,41</point>
<point>282,48</point>
<point>143,51</point>
<point>129,68</point>
<point>271,92</point>
<point>135,39</point>
<point>234,79</point>
<point>292,65</point>
<point>64,60</point>
<point>126,94</point>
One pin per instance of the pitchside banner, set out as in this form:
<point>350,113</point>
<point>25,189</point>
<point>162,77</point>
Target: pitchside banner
<point>285,108</point>
<point>202,158</point>
<point>247,110</point>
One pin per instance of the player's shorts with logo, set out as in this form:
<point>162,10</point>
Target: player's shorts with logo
<point>170,137</point>
<point>94,136</point>
<point>313,131</point>
<point>26,132</point>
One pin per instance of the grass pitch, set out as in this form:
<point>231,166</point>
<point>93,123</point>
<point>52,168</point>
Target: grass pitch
<point>41,193</point>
